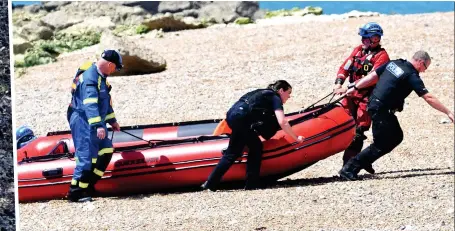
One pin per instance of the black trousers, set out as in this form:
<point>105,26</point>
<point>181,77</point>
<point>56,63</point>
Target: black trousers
<point>356,145</point>
<point>387,135</point>
<point>242,135</point>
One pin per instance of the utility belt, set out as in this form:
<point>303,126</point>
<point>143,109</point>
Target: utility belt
<point>375,104</point>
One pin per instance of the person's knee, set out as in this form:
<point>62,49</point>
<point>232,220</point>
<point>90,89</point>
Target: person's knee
<point>392,144</point>
<point>398,138</point>
<point>395,139</point>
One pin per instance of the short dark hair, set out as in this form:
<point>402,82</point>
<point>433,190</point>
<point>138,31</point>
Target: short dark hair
<point>280,84</point>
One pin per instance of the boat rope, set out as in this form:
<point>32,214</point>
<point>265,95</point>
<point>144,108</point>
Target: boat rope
<point>312,105</point>
<point>151,143</point>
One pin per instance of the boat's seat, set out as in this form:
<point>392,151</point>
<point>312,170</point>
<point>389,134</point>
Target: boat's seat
<point>222,128</point>
<point>196,130</point>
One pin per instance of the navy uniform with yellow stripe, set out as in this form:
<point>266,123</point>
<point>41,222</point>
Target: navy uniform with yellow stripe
<point>90,109</point>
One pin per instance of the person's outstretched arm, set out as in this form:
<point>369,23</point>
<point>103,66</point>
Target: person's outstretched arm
<point>284,124</point>
<point>436,104</point>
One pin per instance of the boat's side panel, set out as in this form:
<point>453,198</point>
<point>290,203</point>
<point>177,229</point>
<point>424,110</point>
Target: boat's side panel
<point>190,164</point>
<point>43,145</point>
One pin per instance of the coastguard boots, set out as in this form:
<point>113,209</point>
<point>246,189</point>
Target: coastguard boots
<point>365,158</point>
<point>78,191</point>
<point>350,170</point>
<point>221,168</point>
<point>368,167</point>
<point>356,147</point>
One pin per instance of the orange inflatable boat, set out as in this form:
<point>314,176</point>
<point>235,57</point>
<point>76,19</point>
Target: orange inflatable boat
<point>180,155</point>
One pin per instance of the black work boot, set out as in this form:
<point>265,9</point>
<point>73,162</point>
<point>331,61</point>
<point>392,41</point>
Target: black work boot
<point>251,186</point>
<point>252,181</point>
<point>205,186</point>
<point>77,194</point>
<point>369,168</point>
<point>350,170</point>
<point>348,154</point>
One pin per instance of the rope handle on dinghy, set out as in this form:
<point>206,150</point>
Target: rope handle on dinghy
<point>151,143</point>
<point>323,108</point>
<point>312,105</point>
<point>329,104</point>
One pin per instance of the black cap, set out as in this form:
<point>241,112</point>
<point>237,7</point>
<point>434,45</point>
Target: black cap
<point>114,57</point>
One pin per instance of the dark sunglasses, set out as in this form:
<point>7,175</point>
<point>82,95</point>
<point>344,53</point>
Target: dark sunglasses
<point>425,65</point>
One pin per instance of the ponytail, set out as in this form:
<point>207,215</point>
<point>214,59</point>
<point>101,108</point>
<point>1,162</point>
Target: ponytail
<point>280,84</point>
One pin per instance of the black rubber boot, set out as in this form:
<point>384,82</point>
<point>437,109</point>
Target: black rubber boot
<point>368,167</point>
<point>355,147</point>
<point>77,194</point>
<point>205,186</point>
<point>253,186</point>
<point>350,170</point>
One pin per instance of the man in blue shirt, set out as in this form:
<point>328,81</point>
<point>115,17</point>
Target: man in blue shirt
<point>91,109</point>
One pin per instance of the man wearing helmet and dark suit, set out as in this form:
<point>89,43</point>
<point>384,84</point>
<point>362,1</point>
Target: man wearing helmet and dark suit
<point>366,57</point>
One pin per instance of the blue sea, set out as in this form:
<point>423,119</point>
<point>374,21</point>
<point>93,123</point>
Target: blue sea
<point>338,7</point>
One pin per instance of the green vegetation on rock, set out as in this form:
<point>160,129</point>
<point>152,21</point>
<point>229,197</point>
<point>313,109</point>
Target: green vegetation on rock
<point>243,20</point>
<point>124,30</point>
<point>46,51</point>
<point>275,13</point>
<point>33,56</point>
<point>142,29</point>
<point>64,42</point>
<point>294,12</point>
<point>19,16</point>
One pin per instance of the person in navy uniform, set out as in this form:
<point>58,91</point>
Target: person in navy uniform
<point>259,112</point>
<point>395,81</point>
<point>90,111</point>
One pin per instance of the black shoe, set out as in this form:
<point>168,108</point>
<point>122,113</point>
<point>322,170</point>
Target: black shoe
<point>348,175</point>
<point>79,196</point>
<point>205,186</point>
<point>254,185</point>
<point>369,169</point>
<point>247,187</point>
<point>350,170</point>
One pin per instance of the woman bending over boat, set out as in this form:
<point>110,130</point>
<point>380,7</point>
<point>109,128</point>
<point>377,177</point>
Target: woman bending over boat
<point>259,112</point>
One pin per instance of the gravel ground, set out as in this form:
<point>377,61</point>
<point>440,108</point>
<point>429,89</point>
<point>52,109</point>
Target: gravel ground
<point>208,70</point>
<point>7,214</point>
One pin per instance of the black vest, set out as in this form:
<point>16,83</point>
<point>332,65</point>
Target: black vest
<point>261,114</point>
